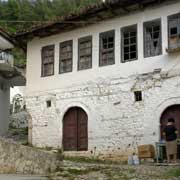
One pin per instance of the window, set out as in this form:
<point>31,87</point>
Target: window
<point>85,53</point>
<point>174,31</point>
<point>152,38</point>
<point>107,48</point>
<point>129,43</point>
<point>47,54</point>
<point>138,95</point>
<point>66,52</point>
<point>48,103</point>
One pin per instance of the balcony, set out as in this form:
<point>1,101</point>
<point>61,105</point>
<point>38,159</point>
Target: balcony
<point>6,59</point>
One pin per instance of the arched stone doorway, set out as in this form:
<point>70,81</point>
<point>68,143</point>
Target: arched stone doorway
<point>170,112</point>
<point>75,130</point>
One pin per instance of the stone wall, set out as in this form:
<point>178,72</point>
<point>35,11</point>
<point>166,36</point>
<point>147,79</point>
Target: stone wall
<point>15,158</point>
<point>116,123</point>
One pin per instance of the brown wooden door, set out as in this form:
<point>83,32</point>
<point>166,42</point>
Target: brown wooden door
<point>82,131</point>
<point>171,112</point>
<point>75,132</point>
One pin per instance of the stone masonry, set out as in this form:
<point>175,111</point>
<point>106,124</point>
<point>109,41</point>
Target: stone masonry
<point>15,158</point>
<point>116,123</point>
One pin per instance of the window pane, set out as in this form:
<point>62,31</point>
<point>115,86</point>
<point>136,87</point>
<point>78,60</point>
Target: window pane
<point>126,49</point>
<point>133,48</point>
<point>126,34</point>
<point>133,55</point>
<point>156,35</point>
<point>133,33</point>
<point>126,56</point>
<point>133,40</point>
<point>126,41</point>
<point>157,28</point>
<point>173,31</point>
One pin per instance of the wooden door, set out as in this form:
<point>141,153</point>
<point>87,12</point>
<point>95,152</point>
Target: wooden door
<point>75,130</point>
<point>82,131</point>
<point>171,112</point>
<point>70,130</point>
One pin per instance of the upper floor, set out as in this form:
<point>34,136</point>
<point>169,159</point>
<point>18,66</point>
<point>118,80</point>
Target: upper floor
<point>138,42</point>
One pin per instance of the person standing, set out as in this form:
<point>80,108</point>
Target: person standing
<point>170,132</point>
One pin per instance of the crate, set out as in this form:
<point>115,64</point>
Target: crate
<point>146,151</point>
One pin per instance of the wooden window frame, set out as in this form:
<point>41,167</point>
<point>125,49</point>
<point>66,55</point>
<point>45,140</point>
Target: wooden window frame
<point>61,45</point>
<point>106,34</point>
<point>128,29</point>
<point>150,24</point>
<point>80,40</point>
<point>174,17</point>
<point>42,60</point>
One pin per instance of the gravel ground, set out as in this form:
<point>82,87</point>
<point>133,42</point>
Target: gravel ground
<point>88,171</point>
<point>21,177</point>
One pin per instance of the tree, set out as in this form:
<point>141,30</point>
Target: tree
<point>17,15</point>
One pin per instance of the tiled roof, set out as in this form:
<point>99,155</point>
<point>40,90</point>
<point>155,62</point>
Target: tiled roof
<point>87,15</point>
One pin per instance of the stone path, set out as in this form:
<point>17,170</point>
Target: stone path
<point>20,177</point>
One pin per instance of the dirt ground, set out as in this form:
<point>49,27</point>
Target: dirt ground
<point>99,171</point>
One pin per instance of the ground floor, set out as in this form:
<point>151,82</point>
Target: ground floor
<point>108,117</point>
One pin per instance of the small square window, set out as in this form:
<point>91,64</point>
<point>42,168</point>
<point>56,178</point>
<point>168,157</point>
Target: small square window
<point>48,103</point>
<point>138,96</point>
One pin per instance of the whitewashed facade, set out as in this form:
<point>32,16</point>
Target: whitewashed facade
<point>116,122</point>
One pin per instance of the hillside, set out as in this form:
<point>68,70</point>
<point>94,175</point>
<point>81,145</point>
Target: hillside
<point>17,15</point>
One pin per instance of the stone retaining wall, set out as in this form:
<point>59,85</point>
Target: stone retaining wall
<point>15,158</point>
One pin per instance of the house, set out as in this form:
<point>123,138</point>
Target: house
<point>9,77</point>
<point>106,79</point>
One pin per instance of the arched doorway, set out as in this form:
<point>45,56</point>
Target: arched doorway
<point>75,130</point>
<point>171,112</point>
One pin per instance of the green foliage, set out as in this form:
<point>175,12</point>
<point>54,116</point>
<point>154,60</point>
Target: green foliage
<point>18,15</point>
<point>19,57</point>
<point>174,172</point>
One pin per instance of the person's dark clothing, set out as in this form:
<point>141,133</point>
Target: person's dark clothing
<point>170,132</point>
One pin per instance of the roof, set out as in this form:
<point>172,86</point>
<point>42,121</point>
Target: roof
<point>86,16</point>
<point>7,36</point>
<point>10,38</point>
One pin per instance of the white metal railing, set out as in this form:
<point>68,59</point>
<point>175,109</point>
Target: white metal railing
<point>6,57</point>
